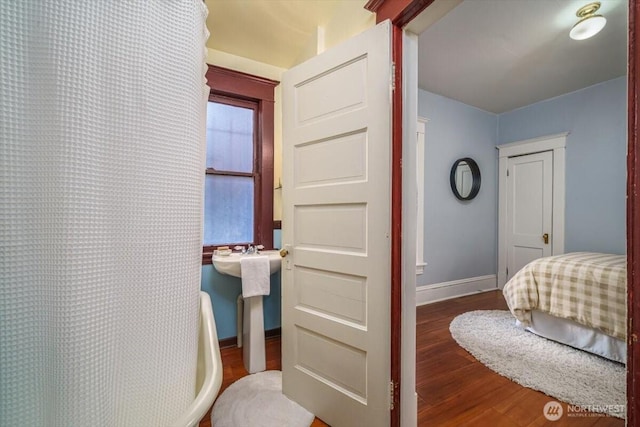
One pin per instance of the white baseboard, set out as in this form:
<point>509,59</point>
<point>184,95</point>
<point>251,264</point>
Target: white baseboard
<point>457,288</point>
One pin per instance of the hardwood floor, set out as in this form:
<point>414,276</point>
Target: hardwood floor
<point>454,389</point>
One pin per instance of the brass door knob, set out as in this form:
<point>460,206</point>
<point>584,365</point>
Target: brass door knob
<point>545,237</point>
<point>284,253</point>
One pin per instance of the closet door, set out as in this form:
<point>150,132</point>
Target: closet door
<point>529,209</point>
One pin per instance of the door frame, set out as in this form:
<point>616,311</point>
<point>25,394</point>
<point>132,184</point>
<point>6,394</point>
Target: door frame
<point>555,143</point>
<point>633,221</point>
<point>401,13</point>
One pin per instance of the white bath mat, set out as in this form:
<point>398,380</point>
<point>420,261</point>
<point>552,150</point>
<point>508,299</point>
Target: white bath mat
<point>257,401</point>
<point>572,376</point>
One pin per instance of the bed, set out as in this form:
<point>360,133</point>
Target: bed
<point>578,299</point>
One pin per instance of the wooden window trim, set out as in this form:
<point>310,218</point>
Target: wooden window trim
<point>256,166</point>
<point>229,86</point>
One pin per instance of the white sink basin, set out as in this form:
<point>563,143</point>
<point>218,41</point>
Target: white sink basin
<point>231,264</point>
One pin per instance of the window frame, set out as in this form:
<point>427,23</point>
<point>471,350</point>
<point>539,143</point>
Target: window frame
<point>254,174</point>
<point>231,86</point>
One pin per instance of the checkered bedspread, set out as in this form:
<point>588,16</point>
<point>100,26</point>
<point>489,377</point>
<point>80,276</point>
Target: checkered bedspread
<point>588,288</point>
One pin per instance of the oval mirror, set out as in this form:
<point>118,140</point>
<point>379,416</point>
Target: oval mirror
<point>465,178</point>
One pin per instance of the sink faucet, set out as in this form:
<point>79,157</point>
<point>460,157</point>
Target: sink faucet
<point>250,249</point>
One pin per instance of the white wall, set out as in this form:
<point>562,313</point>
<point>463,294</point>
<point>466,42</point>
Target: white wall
<point>350,18</point>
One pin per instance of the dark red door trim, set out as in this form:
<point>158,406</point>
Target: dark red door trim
<point>401,12</point>
<point>396,227</point>
<point>633,225</point>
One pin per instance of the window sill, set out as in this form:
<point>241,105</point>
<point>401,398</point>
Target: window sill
<point>206,257</point>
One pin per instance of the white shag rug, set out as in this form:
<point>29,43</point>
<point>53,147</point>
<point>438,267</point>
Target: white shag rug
<point>257,401</point>
<point>560,371</point>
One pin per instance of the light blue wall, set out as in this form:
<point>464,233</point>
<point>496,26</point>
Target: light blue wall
<point>460,237</point>
<point>595,159</point>
<point>224,291</point>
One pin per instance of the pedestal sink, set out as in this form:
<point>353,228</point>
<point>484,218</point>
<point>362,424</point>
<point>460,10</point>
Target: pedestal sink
<point>253,348</point>
<point>230,264</point>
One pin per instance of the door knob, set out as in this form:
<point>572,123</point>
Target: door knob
<point>545,237</point>
<point>284,253</point>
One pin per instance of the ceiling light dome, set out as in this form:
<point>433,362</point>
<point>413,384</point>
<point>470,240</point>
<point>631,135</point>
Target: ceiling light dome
<point>589,24</point>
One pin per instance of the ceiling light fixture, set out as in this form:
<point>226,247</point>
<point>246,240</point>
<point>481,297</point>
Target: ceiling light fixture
<point>589,24</point>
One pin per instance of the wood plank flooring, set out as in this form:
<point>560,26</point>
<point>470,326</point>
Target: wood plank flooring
<point>454,389</point>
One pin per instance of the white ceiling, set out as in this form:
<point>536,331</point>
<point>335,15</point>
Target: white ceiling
<point>496,55</point>
<point>274,32</point>
<point>499,55</point>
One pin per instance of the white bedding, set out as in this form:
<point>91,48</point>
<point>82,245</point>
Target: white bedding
<point>578,336</point>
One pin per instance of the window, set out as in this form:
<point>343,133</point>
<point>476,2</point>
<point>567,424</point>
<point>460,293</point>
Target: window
<point>231,173</point>
<point>239,161</point>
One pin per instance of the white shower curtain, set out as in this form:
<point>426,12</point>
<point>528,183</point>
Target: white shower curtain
<point>102,124</point>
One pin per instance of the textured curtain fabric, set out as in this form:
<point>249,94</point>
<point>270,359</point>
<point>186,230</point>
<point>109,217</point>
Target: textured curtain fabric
<point>102,121</point>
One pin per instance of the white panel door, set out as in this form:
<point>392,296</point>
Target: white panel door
<point>336,227</point>
<point>529,209</point>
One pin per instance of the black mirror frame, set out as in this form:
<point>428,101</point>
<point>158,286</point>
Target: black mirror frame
<point>475,175</point>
